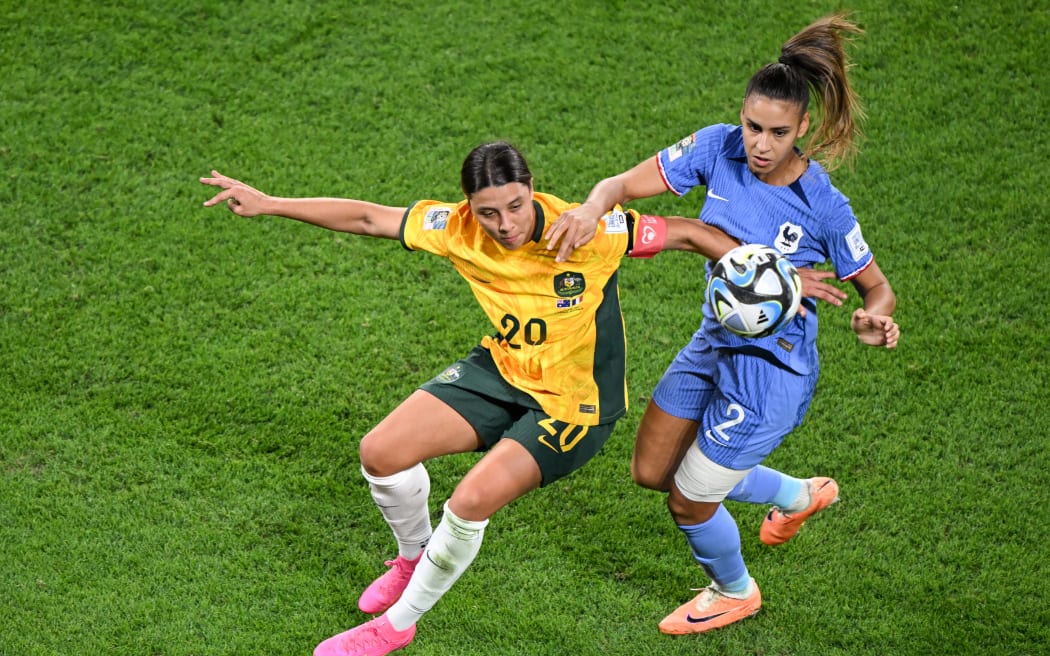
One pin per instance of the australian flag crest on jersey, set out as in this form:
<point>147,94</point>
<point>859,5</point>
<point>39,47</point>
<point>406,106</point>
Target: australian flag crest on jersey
<point>569,284</point>
<point>788,237</point>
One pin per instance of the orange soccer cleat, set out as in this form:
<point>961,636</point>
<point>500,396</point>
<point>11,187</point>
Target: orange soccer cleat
<point>778,527</point>
<point>711,610</point>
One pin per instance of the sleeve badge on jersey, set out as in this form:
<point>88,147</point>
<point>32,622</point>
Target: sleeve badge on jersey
<point>436,218</point>
<point>615,222</point>
<point>681,148</point>
<point>857,246</point>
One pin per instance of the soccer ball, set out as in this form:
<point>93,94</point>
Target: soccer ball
<point>754,291</point>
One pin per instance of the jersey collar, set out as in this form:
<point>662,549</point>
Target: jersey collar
<point>537,234</point>
<point>795,186</point>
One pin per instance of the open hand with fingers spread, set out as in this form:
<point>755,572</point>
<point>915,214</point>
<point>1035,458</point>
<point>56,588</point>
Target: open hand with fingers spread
<point>573,229</point>
<point>813,286</point>
<point>242,199</point>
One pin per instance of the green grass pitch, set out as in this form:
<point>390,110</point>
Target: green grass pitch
<point>182,391</point>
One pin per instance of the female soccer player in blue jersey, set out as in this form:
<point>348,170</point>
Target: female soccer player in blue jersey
<point>540,396</point>
<point>726,402</point>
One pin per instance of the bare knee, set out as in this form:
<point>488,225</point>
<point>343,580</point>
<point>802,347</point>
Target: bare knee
<point>474,503</point>
<point>649,477</point>
<point>687,512</point>
<point>469,503</point>
<point>659,444</point>
<point>378,459</point>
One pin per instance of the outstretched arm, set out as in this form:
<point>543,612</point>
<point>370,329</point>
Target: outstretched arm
<point>341,214</point>
<point>577,226</point>
<point>693,235</point>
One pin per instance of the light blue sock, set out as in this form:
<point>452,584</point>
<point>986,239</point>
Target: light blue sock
<point>767,486</point>
<point>716,546</point>
<point>787,495</point>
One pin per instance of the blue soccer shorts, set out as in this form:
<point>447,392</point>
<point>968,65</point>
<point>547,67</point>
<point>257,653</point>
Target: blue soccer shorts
<point>745,403</point>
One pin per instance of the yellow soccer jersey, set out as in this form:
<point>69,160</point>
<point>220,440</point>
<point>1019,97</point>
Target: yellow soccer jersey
<point>559,330</point>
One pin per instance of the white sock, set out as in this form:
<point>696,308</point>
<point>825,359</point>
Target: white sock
<point>403,498</point>
<point>455,544</point>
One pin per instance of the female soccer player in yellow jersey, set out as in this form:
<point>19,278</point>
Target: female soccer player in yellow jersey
<point>541,395</point>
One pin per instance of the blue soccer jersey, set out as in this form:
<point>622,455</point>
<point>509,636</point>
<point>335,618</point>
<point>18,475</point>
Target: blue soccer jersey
<point>809,221</point>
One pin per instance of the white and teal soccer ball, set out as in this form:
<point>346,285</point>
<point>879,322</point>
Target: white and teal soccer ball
<point>754,291</point>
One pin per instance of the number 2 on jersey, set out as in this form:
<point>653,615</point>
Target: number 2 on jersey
<point>736,415</point>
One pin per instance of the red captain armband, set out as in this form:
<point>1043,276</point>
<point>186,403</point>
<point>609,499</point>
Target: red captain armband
<point>650,234</point>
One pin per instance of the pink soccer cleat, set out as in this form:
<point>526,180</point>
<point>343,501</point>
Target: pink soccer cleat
<point>387,589</point>
<point>373,638</point>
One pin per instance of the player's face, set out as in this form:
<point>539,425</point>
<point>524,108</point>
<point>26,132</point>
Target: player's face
<point>505,213</point>
<point>771,128</point>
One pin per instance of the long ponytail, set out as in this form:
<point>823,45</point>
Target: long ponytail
<point>815,61</point>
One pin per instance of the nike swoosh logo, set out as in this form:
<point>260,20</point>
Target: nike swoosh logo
<point>698,620</point>
<point>709,435</point>
<point>711,194</point>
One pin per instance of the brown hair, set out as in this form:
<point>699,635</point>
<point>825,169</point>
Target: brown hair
<point>493,164</point>
<point>815,60</point>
